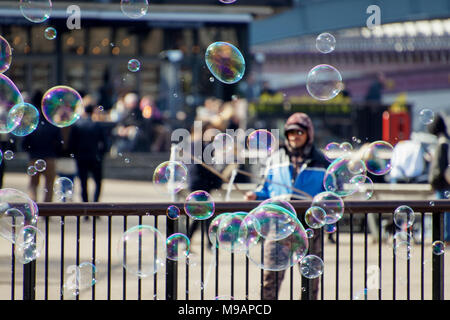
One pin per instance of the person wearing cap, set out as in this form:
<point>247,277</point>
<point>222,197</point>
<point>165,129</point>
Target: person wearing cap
<point>296,165</point>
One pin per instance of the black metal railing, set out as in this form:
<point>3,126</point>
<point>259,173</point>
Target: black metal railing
<point>238,277</point>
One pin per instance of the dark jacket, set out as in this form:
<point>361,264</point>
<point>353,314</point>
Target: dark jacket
<point>440,158</point>
<point>44,142</point>
<point>87,140</point>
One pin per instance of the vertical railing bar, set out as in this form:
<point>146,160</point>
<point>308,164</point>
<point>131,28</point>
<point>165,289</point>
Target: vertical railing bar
<point>202,261</point>
<point>337,260</point>
<point>140,261</point>
<point>188,264</point>
<point>77,250</point>
<point>422,259</point>
<point>94,253</point>
<point>408,265</point>
<point>365,253</point>
<point>47,231</point>
<point>232,274</point>
<point>262,272</point>
<point>380,240</point>
<point>351,256</point>
<point>62,258</point>
<point>246,277</point>
<point>291,289</point>
<point>438,260</point>
<point>13,263</point>
<point>109,259</point>
<point>124,271</point>
<point>394,263</point>
<point>217,270</point>
<point>155,277</point>
<point>322,281</point>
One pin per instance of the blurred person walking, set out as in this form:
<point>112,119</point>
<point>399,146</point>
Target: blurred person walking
<point>87,142</point>
<point>44,143</point>
<point>439,175</point>
<point>300,164</point>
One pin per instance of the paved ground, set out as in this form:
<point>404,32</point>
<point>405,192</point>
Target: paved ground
<point>130,191</point>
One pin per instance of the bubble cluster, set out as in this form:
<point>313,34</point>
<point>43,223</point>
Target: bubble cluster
<point>61,106</point>
<point>225,62</point>
<point>325,42</point>
<point>311,266</point>
<point>199,205</point>
<point>5,55</point>
<point>50,33</point>
<point>324,82</point>
<point>172,175</point>
<point>36,11</point>
<point>134,65</point>
<point>142,250</point>
<point>134,9</point>
<point>377,157</point>
<point>177,246</point>
<point>24,117</point>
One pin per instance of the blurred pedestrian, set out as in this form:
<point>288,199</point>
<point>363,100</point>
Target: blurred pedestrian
<point>301,165</point>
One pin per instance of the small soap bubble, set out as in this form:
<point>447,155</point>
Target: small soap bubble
<point>134,65</point>
<point>8,155</point>
<point>325,42</point>
<point>50,33</point>
<point>438,247</point>
<point>311,266</point>
<point>426,116</point>
<point>40,165</point>
<point>31,170</point>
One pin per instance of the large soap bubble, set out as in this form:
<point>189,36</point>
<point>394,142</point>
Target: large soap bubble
<point>61,106</point>
<point>172,175</point>
<point>142,250</point>
<point>134,9</point>
<point>5,55</point>
<point>340,176</point>
<point>378,156</point>
<point>199,205</point>
<point>36,11</point>
<point>225,62</point>
<point>9,97</point>
<point>324,82</point>
<point>25,119</point>
<point>214,226</point>
<point>177,246</point>
<point>228,232</point>
<point>331,203</point>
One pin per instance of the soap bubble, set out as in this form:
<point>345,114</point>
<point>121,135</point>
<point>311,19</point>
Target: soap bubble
<point>377,157</point>
<point>402,245</point>
<point>315,217</point>
<point>61,106</point>
<point>142,250</point>
<point>134,9</point>
<point>281,203</point>
<point>311,266</point>
<point>213,227</point>
<point>50,33</point>
<point>28,244</point>
<point>404,217</point>
<point>199,205</point>
<point>346,148</point>
<point>340,176</point>
<point>262,142</point>
<point>63,188</point>
<point>332,151</point>
<point>324,82</point>
<point>325,42</point>
<point>172,175</point>
<point>85,277</point>
<point>331,203</point>
<point>309,233</point>
<point>438,247</point>
<point>173,212</point>
<point>31,171</point>
<point>40,165</point>
<point>24,118</point>
<point>225,62</point>
<point>364,188</point>
<point>134,65</point>
<point>5,55</point>
<point>9,97</point>
<point>228,232</point>
<point>8,155</point>
<point>426,116</point>
<point>330,228</point>
<point>177,246</point>
<point>223,144</point>
<point>36,11</point>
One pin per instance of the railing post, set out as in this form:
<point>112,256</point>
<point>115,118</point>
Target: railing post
<point>29,280</point>
<point>171,266</point>
<point>438,260</point>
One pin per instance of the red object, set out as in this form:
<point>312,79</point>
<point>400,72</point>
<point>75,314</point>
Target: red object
<point>396,126</point>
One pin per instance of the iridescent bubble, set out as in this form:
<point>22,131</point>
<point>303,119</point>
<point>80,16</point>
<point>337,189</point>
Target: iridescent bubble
<point>50,33</point>
<point>225,62</point>
<point>25,119</point>
<point>426,116</point>
<point>311,266</point>
<point>262,142</point>
<point>309,233</point>
<point>325,42</point>
<point>324,82</point>
<point>228,232</point>
<point>213,227</point>
<point>142,250</point>
<point>29,243</point>
<point>9,97</point>
<point>85,277</point>
<point>281,203</point>
<point>177,246</point>
<point>284,253</point>
<point>346,148</point>
<point>16,210</point>
<point>363,187</point>
<point>438,247</point>
<point>40,165</point>
<point>377,157</point>
<point>134,9</point>
<point>5,55</point>
<point>31,171</point>
<point>134,65</point>
<point>331,203</point>
<point>172,175</point>
<point>315,217</point>
<point>61,106</point>
<point>173,212</point>
<point>223,144</point>
<point>332,151</point>
<point>404,217</point>
<point>8,155</point>
<point>330,228</point>
<point>403,250</point>
<point>63,188</point>
<point>199,205</point>
<point>339,177</point>
<point>36,11</point>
